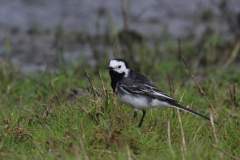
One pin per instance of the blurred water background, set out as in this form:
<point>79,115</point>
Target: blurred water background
<point>37,30</point>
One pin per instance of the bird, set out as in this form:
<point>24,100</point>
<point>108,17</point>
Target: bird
<point>138,92</point>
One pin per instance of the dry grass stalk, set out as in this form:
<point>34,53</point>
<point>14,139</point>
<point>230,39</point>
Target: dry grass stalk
<point>179,44</point>
<point>114,51</point>
<point>233,97</point>
<point>106,100</point>
<point>179,117</point>
<point>213,128</point>
<point>91,83</point>
<point>197,132</point>
<point>182,133</point>
<point>38,147</point>
<point>96,103</point>
<point>82,128</point>
<point>171,91</point>
<point>128,154</point>
<point>234,100</point>
<point>171,85</point>
<point>183,95</point>
<point>232,156</point>
<point>76,151</point>
<point>83,148</point>
<point>110,127</point>
<point>150,129</point>
<point>180,123</point>
<point>104,89</point>
<point>109,152</point>
<point>175,91</point>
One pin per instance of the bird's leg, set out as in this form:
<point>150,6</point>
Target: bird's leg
<point>135,113</point>
<point>144,112</point>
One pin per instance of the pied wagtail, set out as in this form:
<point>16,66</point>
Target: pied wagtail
<point>138,92</point>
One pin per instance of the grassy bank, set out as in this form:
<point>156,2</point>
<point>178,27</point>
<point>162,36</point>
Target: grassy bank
<point>56,115</point>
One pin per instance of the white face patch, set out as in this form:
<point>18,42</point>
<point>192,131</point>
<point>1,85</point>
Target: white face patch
<point>118,66</point>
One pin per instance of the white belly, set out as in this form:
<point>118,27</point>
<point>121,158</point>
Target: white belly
<point>141,102</point>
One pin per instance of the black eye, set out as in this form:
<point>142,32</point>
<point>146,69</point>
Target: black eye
<point>119,66</point>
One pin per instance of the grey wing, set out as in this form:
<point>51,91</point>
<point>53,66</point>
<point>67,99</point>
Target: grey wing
<point>146,90</point>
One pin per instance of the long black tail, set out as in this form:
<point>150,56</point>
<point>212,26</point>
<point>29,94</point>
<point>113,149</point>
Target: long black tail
<point>176,105</point>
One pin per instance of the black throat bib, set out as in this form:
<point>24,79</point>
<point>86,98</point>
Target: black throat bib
<point>115,77</point>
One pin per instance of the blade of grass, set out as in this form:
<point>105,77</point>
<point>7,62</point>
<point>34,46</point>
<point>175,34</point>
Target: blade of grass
<point>114,51</point>
<point>169,135</point>
<point>8,48</point>
<point>233,55</point>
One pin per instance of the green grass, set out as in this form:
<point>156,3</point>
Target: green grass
<point>35,127</point>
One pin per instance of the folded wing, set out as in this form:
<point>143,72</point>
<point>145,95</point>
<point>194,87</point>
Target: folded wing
<point>147,90</point>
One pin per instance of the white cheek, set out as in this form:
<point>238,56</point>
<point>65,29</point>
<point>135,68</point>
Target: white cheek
<point>120,70</point>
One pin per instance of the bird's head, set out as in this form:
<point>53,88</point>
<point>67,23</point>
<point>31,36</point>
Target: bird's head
<point>119,66</point>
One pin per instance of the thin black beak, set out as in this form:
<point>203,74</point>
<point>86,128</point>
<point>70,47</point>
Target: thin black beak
<point>109,67</point>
